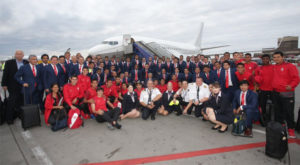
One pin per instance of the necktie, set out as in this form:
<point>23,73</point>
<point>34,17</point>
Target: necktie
<point>188,65</point>
<point>105,77</point>
<point>227,79</point>
<point>131,94</point>
<point>80,68</point>
<point>62,65</point>
<point>218,73</point>
<point>98,77</point>
<point>146,74</point>
<point>243,98</point>
<point>207,76</point>
<point>136,76</point>
<point>169,94</point>
<point>55,70</point>
<point>149,99</point>
<point>126,80</point>
<point>198,89</point>
<point>33,71</point>
<point>186,76</point>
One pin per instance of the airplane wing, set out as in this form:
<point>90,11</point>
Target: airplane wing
<point>214,47</point>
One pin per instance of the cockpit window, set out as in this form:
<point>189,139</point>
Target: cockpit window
<point>110,42</point>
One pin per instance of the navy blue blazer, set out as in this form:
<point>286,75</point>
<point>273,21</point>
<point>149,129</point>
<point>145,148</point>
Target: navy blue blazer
<point>195,76</point>
<point>251,101</point>
<point>170,69</point>
<point>211,79</point>
<point>108,65</point>
<point>191,68</point>
<point>74,69</point>
<point>182,66</point>
<point>50,78</point>
<point>159,68</point>
<point>216,73</point>
<point>65,74</point>
<point>128,80</point>
<point>189,79</point>
<point>126,68</point>
<point>233,78</point>
<point>144,73</point>
<point>25,75</point>
<point>133,75</point>
<point>167,77</point>
<point>97,77</point>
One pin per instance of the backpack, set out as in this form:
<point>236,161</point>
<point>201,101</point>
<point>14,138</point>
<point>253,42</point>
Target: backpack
<point>74,119</point>
<point>276,140</point>
<point>239,125</point>
<point>61,120</point>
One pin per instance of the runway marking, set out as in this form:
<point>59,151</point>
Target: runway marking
<point>188,154</point>
<point>36,149</point>
<point>259,131</point>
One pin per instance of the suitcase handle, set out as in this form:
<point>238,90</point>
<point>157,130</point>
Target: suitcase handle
<point>25,97</point>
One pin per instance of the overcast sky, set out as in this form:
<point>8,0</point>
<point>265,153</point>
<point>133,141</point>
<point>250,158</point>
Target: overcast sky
<point>52,26</point>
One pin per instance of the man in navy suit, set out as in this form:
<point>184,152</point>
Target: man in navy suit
<point>228,80</point>
<point>208,76</point>
<point>182,64</point>
<point>145,72</point>
<point>107,63</point>
<point>97,76</point>
<point>164,75</point>
<point>136,61</point>
<point>64,69</point>
<point>52,75</point>
<point>105,76</point>
<point>151,64</point>
<point>77,68</point>
<point>246,101</point>
<point>158,67</point>
<point>126,78</point>
<point>196,74</point>
<point>190,65</point>
<point>67,58</point>
<point>29,76</point>
<point>127,66</point>
<point>169,66</point>
<point>41,66</point>
<point>136,74</point>
<point>218,70</point>
<point>187,76</point>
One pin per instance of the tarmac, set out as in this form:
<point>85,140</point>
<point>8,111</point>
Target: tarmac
<point>170,140</point>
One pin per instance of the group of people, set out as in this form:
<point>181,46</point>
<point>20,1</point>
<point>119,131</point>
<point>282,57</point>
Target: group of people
<point>109,89</point>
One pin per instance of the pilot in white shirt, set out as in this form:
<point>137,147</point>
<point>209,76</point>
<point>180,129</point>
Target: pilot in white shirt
<point>149,100</point>
<point>200,94</point>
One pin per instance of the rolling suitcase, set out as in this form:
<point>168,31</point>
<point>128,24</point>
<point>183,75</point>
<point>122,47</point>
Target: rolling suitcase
<point>30,115</point>
<point>276,140</point>
<point>298,122</point>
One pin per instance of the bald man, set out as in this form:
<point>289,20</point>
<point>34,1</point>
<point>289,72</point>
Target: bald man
<point>14,88</point>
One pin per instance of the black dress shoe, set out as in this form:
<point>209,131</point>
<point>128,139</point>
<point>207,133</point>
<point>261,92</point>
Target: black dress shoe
<point>214,128</point>
<point>224,130</point>
<point>153,117</point>
<point>118,126</point>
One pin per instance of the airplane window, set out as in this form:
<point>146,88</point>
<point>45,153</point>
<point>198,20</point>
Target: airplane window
<point>115,42</point>
<point>105,42</point>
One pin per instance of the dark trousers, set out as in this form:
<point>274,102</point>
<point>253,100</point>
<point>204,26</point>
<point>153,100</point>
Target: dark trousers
<point>85,108</point>
<point>78,105</point>
<point>198,110</point>
<point>15,101</point>
<point>263,97</point>
<point>146,112</point>
<point>251,115</point>
<point>284,109</point>
<point>229,92</point>
<point>184,104</point>
<point>109,116</point>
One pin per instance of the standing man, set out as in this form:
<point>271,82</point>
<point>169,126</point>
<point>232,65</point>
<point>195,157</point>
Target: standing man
<point>228,80</point>
<point>14,88</point>
<point>285,80</point>
<point>29,76</point>
<point>149,100</point>
<point>264,77</point>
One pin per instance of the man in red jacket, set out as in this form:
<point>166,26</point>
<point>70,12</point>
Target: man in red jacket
<point>263,78</point>
<point>250,66</point>
<point>72,94</point>
<point>285,80</point>
<point>242,74</point>
<point>110,91</point>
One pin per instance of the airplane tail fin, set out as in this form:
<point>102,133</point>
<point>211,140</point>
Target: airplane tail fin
<point>198,41</point>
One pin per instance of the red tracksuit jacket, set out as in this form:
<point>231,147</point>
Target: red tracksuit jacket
<point>264,77</point>
<point>285,74</point>
<point>71,92</point>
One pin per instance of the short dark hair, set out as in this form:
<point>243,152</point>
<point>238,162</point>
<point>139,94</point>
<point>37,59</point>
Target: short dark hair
<point>265,55</point>
<point>278,52</point>
<point>62,56</point>
<point>44,55</point>
<point>85,68</point>
<point>74,75</point>
<point>226,61</point>
<point>248,54</point>
<point>240,64</point>
<point>54,57</point>
<point>244,82</point>
<point>94,80</point>
<point>205,66</point>
<point>99,89</point>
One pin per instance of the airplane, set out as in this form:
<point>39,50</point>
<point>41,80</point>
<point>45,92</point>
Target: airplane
<point>122,45</point>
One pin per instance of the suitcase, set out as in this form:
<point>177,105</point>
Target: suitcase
<point>30,115</point>
<point>276,140</point>
<point>298,122</point>
<point>3,109</point>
